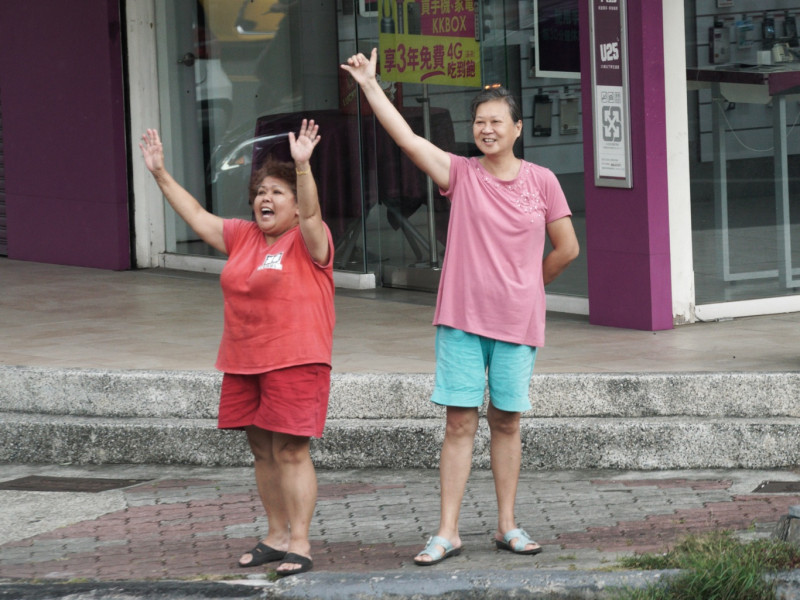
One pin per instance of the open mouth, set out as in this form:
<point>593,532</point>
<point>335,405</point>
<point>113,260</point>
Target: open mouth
<point>267,212</point>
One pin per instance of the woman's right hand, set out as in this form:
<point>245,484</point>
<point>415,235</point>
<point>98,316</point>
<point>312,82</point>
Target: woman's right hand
<point>432,160</point>
<point>205,224</point>
<point>361,68</point>
<point>152,150</point>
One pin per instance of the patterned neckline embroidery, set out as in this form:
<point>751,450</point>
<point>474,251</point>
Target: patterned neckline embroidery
<point>513,190</point>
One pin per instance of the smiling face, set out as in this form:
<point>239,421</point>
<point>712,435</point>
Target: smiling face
<point>493,128</point>
<point>275,207</point>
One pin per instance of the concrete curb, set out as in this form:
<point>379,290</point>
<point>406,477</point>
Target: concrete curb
<point>578,421</point>
<point>194,394</point>
<point>539,584</point>
<point>532,584</point>
<point>473,584</point>
<point>536,584</point>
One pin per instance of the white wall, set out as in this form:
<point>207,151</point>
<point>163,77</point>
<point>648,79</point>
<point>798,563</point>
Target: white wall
<point>678,178</point>
<point>144,113</point>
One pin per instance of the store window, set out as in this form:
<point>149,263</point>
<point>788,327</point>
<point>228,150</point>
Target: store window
<point>237,75</point>
<point>552,134</point>
<point>550,84</point>
<point>743,74</point>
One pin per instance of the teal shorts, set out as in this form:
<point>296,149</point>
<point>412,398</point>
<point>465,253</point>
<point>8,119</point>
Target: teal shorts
<point>463,361</point>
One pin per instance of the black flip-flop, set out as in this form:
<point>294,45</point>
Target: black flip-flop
<point>295,559</point>
<point>262,554</point>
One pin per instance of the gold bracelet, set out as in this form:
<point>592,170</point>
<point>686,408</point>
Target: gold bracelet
<point>306,172</point>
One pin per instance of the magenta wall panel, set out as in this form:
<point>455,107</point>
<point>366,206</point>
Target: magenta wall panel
<point>627,230</point>
<point>62,86</point>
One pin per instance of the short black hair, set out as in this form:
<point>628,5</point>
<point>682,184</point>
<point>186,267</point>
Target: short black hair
<point>497,92</point>
<point>273,168</point>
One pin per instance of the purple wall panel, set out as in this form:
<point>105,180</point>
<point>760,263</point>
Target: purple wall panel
<point>627,231</point>
<point>64,133</point>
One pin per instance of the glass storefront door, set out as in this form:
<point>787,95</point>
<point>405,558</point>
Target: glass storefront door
<point>236,76</point>
<point>743,73</point>
<point>409,213</point>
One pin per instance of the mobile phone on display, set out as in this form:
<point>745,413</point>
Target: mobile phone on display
<point>768,30</point>
<point>790,30</point>
<point>542,115</point>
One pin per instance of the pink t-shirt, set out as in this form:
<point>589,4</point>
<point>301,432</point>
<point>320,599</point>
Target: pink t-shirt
<point>491,283</point>
<point>279,309</point>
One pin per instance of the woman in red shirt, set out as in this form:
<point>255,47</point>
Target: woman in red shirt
<point>277,338</point>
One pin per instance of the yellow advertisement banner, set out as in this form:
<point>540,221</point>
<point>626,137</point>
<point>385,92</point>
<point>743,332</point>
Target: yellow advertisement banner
<point>433,41</point>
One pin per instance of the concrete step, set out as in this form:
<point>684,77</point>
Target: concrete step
<point>579,421</point>
<point>195,394</point>
<point>591,443</point>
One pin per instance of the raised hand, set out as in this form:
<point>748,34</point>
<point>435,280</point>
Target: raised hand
<point>361,68</point>
<point>152,150</point>
<point>302,146</point>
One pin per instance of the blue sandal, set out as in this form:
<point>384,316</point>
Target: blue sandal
<point>435,553</point>
<point>523,539</point>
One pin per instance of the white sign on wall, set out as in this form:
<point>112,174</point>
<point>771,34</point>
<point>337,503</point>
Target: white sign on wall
<point>610,106</point>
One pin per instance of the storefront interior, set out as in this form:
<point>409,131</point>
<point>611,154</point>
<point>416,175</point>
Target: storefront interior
<point>743,71</point>
<point>236,75</point>
<point>251,80</point>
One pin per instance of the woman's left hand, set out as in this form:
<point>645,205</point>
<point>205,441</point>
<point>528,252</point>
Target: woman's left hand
<point>302,146</point>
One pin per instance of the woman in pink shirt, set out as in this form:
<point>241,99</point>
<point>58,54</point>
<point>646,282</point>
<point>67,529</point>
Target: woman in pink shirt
<point>490,310</point>
<point>277,336</point>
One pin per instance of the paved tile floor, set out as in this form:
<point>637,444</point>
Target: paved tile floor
<point>157,319</point>
<point>189,522</point>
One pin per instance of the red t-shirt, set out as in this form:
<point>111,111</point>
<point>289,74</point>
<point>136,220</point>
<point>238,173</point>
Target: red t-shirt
<point>279,309</point>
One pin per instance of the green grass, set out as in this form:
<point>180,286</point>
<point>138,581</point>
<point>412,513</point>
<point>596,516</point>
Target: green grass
<point>716,566</point>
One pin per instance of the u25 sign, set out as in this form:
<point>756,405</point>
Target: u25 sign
<point>610,107</point>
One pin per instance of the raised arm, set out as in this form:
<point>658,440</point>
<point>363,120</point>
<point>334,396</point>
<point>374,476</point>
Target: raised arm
<point>208,226</point>
<point>311,226</point>
<point>565,248</point>
<point>431,159</point>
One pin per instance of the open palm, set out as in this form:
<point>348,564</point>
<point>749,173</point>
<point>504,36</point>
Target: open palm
<point>152,150</point>
<point>302,146</point>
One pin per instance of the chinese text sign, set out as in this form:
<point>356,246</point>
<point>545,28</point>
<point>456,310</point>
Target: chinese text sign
<point>429,41</point>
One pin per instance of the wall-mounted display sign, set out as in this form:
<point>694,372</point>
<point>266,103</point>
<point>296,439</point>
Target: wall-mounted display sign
<point>429,41</point>
<point>610,97</point>
<point>557,39</point>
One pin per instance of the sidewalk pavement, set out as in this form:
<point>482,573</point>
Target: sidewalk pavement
<point>72,317</point>
<point>166,524</point>
<point>168,531</point>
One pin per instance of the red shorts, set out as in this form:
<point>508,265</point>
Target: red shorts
<point>292,400</point>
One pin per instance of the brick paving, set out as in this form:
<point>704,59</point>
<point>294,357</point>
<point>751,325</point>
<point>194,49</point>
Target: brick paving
<point>187,527</point>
